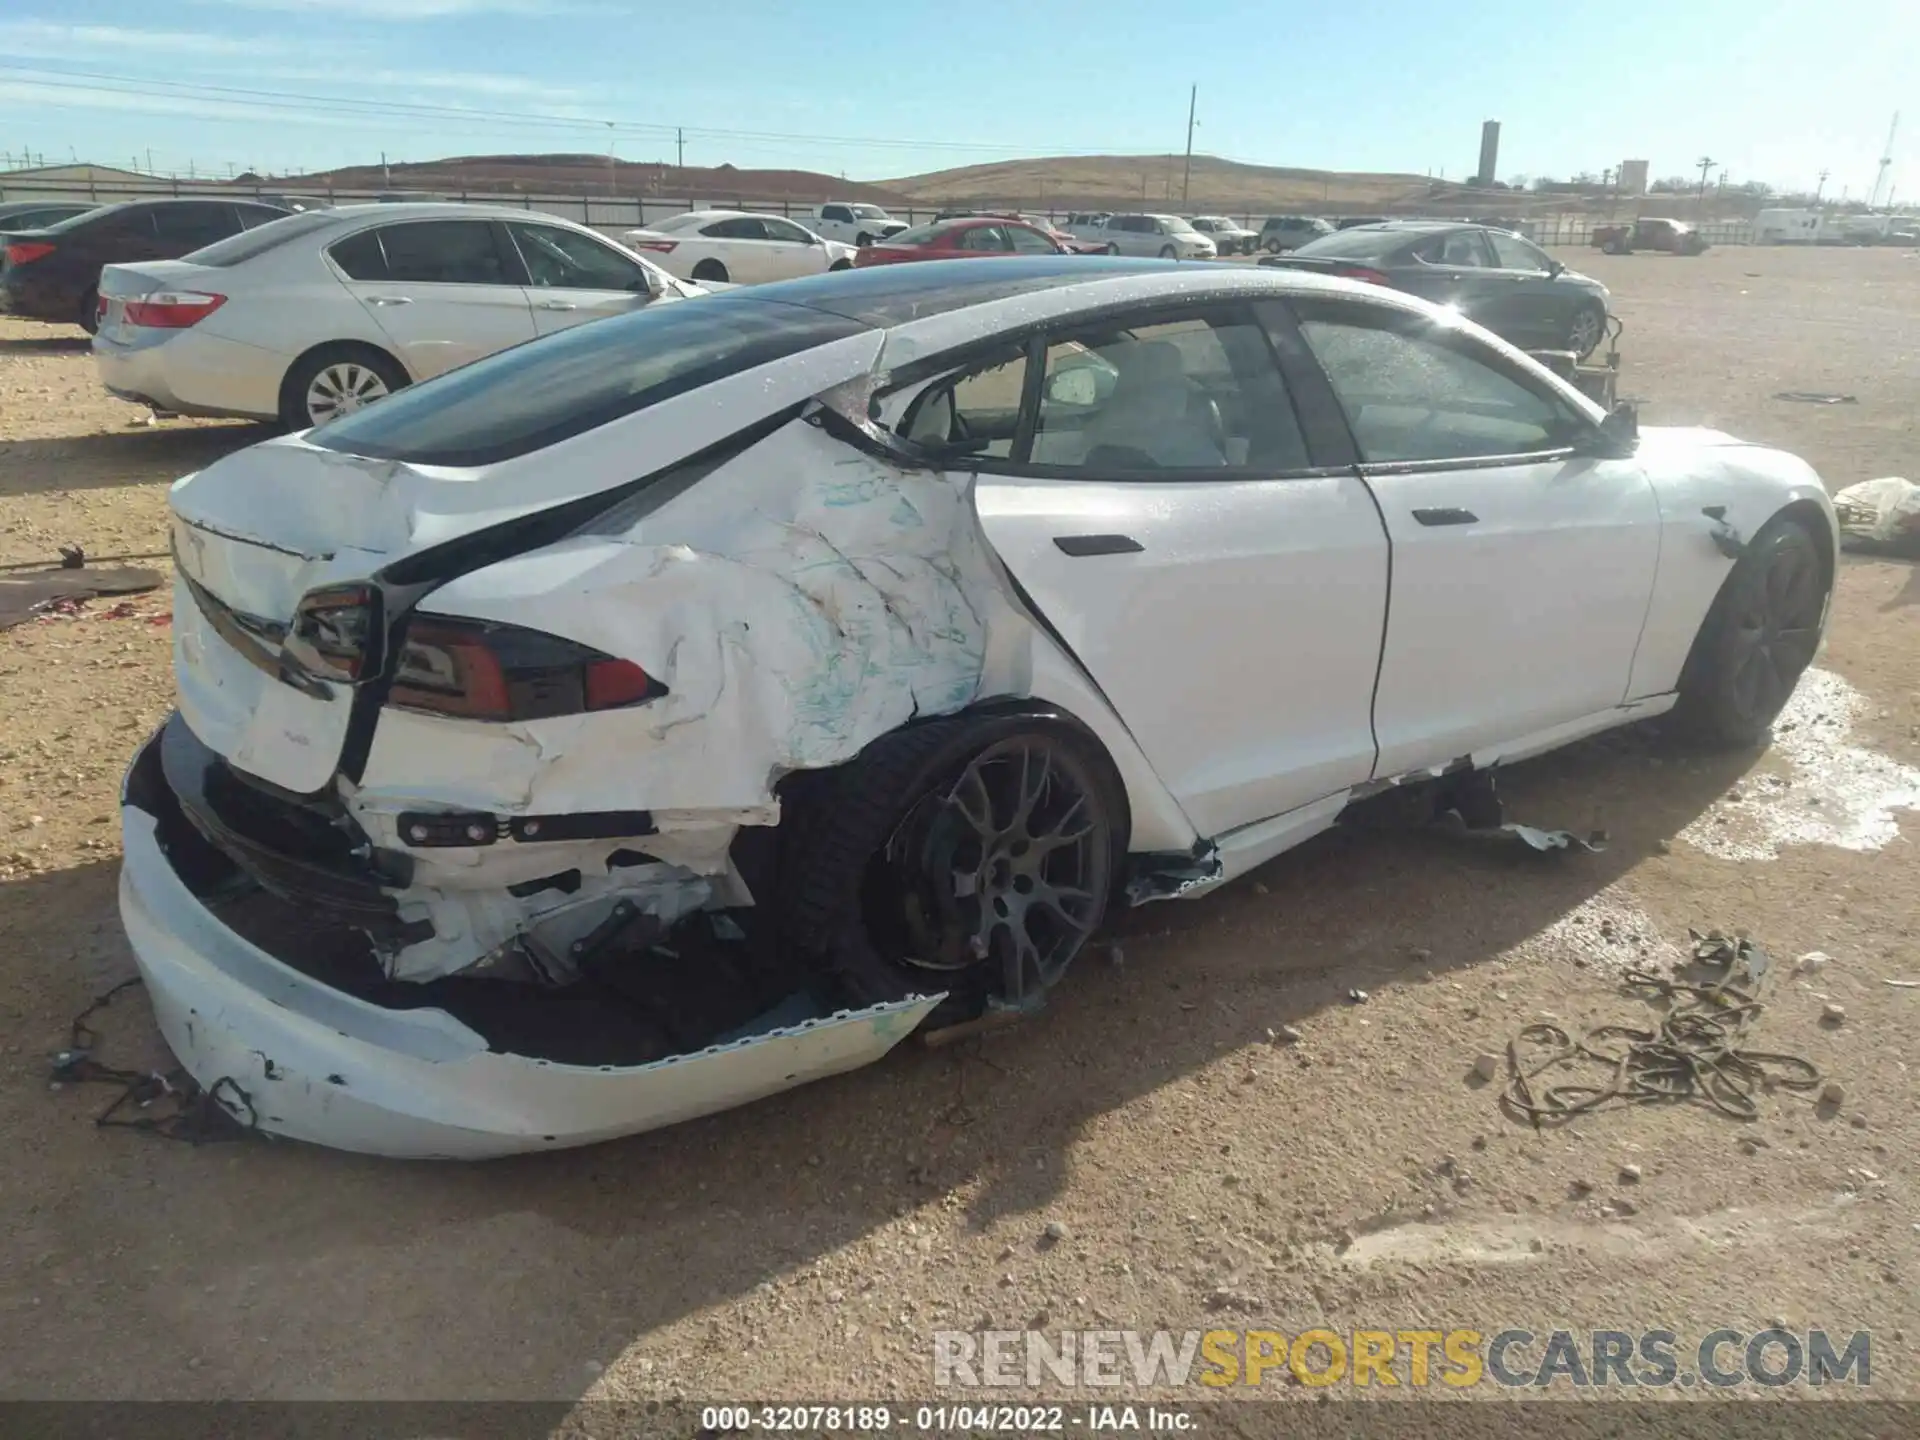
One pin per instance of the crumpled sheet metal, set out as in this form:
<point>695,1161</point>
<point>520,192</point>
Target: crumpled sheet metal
<point>1883,512</point>
<point>1534,838</point>
<point>801,601</point>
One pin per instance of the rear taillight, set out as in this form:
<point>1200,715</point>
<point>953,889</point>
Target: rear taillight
<point>172,309</point>
<point>481,671</point>
<point>662,247</point>
<point>25,252</point>
<point>335,633</point>
<point>99,308</point>
<point>1361,272</point>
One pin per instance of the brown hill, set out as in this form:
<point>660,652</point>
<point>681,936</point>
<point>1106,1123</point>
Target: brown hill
<point>1107,180</point>
<point>588,175</point>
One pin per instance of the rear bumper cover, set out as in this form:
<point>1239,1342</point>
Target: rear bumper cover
<point>316,1064</point>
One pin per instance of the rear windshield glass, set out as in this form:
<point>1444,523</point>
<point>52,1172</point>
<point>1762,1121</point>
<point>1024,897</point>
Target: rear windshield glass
<point>921,234</point>
<point>546,390</point>
<point>1357,243</point>
<point>75,221</point>
<point>262,238</point>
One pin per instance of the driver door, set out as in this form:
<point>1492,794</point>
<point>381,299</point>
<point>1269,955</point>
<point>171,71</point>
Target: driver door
<point>573,279</point>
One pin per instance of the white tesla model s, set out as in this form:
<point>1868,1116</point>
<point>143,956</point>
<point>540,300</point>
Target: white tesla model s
<point>682,707</point>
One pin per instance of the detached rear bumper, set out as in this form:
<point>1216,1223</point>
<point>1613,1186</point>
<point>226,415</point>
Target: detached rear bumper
<point>318,1064</point>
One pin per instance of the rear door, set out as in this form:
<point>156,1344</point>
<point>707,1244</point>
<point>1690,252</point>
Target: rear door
<point>443,291</point>
<point>573,278</point>
<point>739,243</point>
<point>1160,503</point>
<point>1522,571</point>
<point>791,250</point>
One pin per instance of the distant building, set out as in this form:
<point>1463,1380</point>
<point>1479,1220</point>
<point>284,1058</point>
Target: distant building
<point>1489,154</point>
<point>1633,177</point>
<point>67,182</point>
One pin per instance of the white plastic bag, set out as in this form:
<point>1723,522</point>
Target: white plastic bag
<point>1884,511</point>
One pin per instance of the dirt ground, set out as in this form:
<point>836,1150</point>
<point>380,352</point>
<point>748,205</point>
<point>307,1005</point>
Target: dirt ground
<point>1206,1170</point>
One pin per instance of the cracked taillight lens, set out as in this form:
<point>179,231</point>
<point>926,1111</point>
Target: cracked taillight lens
<point>335,633</point>
<point>478,670</point>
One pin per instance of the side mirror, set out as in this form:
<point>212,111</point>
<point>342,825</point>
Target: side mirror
<point>1616,437</point>
<point>1555,269</point>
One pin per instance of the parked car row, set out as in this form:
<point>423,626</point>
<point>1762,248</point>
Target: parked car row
<point>1493,277</point>
<point>317,314</point>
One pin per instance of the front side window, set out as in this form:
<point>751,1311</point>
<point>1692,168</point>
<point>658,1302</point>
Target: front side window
<point>785,231</point>
<point>986,239</point>
<point>1457,249</point>
<point>736,227</point>
<point>1510,252</point>
<point>1028,242</point>
<point>869,212</point>
<point>574,380</point>
<point>442,252</point>
<point>567,260</point>
<point>1413,391</point>
<point>836,212</point>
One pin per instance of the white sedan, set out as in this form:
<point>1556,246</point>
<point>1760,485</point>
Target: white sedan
<point>316,315</point>
<point>735,247</point>
<point>666,713</point>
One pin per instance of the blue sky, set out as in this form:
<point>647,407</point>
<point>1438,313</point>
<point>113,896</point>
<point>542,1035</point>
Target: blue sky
<point>879,88</point>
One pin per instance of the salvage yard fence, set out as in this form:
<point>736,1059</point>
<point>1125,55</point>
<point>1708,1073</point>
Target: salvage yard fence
<point>611,214</point>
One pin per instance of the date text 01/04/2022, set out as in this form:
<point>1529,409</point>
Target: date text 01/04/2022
<point>944,1419</point>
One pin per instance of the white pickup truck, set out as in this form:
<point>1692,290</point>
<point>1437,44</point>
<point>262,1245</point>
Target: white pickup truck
<point>853,224</point>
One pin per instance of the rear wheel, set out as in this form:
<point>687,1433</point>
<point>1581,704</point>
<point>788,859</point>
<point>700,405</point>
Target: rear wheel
<point>1758,639</point>
<point>337,380</point>
<point>710,270</point>
<point>89,317</point>
<point>1273,247</point>
<point>1112,249</point>
<point>841,265</point>
<point>971,856</point>
<point>863,239</point>
<point>1166,252</point>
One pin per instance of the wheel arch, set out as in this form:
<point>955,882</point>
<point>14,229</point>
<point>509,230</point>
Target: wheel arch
<point>293,365</point>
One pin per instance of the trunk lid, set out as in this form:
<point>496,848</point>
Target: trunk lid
<point>121,283</point>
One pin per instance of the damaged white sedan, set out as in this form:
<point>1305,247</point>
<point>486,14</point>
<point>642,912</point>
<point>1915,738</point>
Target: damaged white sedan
<point>692,704</point>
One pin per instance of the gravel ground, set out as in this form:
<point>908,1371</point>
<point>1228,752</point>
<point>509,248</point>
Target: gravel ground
<point>1200,1165</point>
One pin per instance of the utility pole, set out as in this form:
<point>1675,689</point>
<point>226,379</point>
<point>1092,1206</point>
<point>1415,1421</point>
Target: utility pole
<point>386,176</point>
<point>1821,186</point>
<point>1700,201</point>
<point>149,159</point>
<point>680,146</point>
<point>610,160</point>
<point>1186,175</point>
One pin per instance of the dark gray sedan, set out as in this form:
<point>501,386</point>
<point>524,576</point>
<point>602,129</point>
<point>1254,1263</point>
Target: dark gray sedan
<point>1493,277</point>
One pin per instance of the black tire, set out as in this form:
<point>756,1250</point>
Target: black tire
<point>1167,252</point>
<point>849,902</point>
<point>89,316</point>
<point>1273,247</point>
<point>710,270</point>
<point>1112,249</point>
<point>1757,640</point>
<point>841,265</point>
<point>301,375</point>
<point>1587,329</point>
<point>863,239</point>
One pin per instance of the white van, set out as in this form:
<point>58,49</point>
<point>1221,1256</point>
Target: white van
<point>1787,227</point>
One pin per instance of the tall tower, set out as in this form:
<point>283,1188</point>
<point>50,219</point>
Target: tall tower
<point>1489,154</point>
<point>1886,162</point>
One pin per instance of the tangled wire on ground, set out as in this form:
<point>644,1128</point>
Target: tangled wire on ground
<point>195,1115</point>
<point>1695,1057</point>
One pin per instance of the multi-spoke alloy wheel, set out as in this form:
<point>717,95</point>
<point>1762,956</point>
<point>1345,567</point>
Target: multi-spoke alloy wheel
<point>342,388</point>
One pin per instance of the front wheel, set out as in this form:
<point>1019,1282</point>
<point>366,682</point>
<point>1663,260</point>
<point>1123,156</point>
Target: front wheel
<point>973,856</point>
<point>1758,639</point>
<point>1166,252</point>
<point>337,380</point>
<point>863,239</point>
<point>841,265</point>
<point>1273,247</point>
<point>1112,249</point>
<point>1586,330</point>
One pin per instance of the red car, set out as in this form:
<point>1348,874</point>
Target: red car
<point>972,237</point>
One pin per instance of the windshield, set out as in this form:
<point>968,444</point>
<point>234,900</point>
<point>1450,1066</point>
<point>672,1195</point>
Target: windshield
<point>546,390</point>
<point>870,212</point>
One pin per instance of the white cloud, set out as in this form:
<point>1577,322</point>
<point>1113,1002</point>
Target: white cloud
<point>406,9</point>
<point>44,40</point>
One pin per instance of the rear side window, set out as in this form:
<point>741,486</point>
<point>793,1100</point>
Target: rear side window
<point>444,252</point>
<point>542,392</point>
<point>360,256</point>
<point>919,235</point>
<point>736,227</point>
<point>263,238</point>
<point>195,225</point>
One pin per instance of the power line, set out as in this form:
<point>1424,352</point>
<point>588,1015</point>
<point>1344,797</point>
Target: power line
<point>363,109</point>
